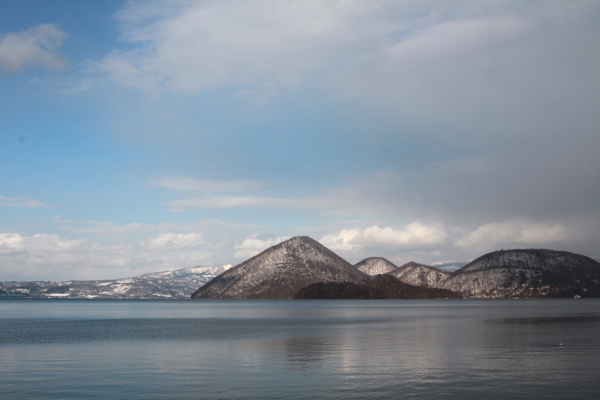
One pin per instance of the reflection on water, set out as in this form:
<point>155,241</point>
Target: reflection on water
<point>300,350</point>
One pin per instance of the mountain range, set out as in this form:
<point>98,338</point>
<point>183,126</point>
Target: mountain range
<point>175,284</point>
<point>522,273</point>
<point>303,268</point>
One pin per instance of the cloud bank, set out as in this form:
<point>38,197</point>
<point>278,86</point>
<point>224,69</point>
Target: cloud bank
<point>414,234</point>
<point>50,256</point>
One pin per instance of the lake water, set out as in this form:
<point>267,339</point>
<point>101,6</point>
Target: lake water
<point>422,349</point>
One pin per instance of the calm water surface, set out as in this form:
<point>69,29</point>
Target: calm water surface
<point>433,349</point>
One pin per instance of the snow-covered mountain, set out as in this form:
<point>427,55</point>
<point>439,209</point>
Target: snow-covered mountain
<point>281,271</point>
<point>513,273</point>
<point>175,284</point>
<point>421,275</point>
<point>375,266</point>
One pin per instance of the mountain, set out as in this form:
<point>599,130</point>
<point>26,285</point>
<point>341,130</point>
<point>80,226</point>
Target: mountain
<point>176,284</point>
<point>381,287</point>
<point>281,271</point>
<point>421,275</point>
<point>375,266</point>
<point>527,273</point>
<point>449,266</point>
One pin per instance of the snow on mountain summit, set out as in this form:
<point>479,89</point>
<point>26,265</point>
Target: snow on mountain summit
<point>375,266</point>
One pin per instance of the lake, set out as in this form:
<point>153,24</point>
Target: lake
<point>348,349</point>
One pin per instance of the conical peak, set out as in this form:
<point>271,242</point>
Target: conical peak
<point>375,266</point>
<point>372,259</point>
<point>298,247</point>
<point>375,261</point>
<point>411,264</point>
<point>280,271</point>
<point>300,243</point>
<point>301,240</point>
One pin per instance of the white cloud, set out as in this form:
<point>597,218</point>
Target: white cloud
<point>513,233</point>
<point>172,241</point>
<point>187,183</point>
<point>212,242</point>
<point>413,234</point>
<point>217,202</point>
<point>20,202</point>
<point>254,245</point>
<point>110,228</point>
<point>95,227</point>
<point>15,243</point>
<point>118,251</point>
<point>196,45</point>
<point>35,46</point>
<point>52,257</point>
<point>342,240</point>
<point>42,256</point>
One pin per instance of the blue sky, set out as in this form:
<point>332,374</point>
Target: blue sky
<point>145,135</point>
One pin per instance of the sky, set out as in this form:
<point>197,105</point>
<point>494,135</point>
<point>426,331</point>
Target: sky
<point>142,136</point>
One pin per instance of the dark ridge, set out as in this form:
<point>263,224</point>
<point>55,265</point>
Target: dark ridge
<point>381,287</point>
<point>338,291</point>
<point>393,288</point>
